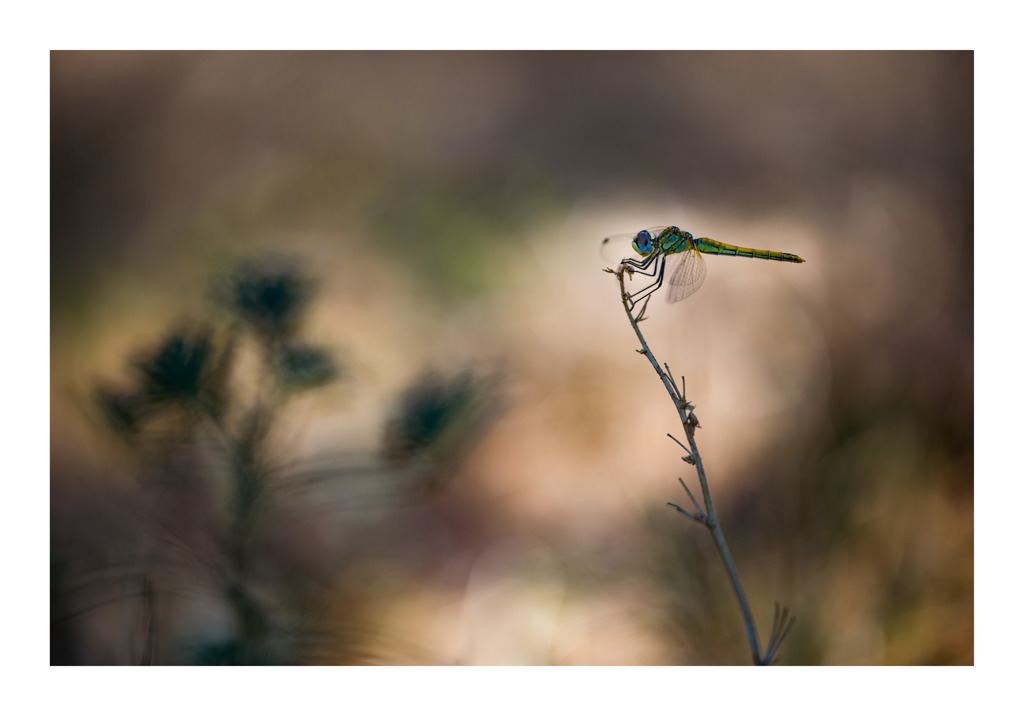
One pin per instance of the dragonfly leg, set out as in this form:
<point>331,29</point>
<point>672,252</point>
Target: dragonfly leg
<point>643,309</point>
<point>640,266</point>
<point>659,270</point>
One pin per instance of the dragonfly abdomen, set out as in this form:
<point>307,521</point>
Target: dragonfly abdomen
<point>710,246</point>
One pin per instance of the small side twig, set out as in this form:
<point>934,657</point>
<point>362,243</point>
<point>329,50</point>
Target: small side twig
<point>696,518</point>
<point>688,457</point>
<point>782,622</point>
<point>681,395</point>
<point>679,444</point>
<point>692,498</point>
<point>699,516</point>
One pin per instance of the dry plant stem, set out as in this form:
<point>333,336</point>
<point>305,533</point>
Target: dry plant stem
<point>707,516</point>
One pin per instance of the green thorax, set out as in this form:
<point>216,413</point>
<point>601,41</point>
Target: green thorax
<point>674,240</point>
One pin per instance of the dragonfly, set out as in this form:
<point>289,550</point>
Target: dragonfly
<point>674,251</point>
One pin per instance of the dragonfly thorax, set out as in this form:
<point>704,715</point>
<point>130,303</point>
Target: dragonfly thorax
<point>674,240</point>
<point>668,241</point>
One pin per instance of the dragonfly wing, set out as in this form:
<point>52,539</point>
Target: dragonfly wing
<point>618,247</point>
<point>687,277</point>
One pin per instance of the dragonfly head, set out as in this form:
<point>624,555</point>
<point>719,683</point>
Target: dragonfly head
<point>643,243</point>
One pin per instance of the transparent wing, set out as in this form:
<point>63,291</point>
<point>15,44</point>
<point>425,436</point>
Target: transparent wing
<point>618,247</point>
<point>687,276</point>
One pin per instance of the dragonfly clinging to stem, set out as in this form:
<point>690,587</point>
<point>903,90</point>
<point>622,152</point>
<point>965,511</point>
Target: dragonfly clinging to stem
<point>671,248</point>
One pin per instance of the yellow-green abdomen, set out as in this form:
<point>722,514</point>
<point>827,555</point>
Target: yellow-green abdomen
<point>710,246</point>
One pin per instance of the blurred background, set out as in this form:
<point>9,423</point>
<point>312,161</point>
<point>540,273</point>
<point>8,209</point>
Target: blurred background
<point>337,378</point>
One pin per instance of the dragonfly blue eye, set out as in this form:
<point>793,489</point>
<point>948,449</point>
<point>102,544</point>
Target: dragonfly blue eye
<point>643,241</point>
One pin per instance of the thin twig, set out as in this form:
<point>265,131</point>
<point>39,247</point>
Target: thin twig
<point>781,624</point>
<point>680,395</point>
<point>696,518</point>
<point>710,518</point>
<point>679,443</point>
<point>692,498</point>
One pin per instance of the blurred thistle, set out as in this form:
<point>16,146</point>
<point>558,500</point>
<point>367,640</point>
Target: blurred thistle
<point>186,369</point>
<point>269,294</point>
<point>302,367</point>
<point>438,417</point>
<point>175,370</point>
<point>203,373</point>
<point>189,372</point>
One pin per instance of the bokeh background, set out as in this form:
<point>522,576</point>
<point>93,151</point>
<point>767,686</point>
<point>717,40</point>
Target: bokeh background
<point>337,378</point>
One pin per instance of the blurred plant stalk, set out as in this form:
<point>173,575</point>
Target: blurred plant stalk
<point>187,380</point>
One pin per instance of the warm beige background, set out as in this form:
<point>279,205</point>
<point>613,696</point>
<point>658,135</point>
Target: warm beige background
<point>451,206</point>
